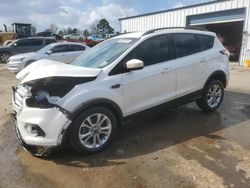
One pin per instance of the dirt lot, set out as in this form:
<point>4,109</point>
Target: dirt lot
<point>173,148</point>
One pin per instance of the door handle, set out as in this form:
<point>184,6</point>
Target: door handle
<point>166,70</point>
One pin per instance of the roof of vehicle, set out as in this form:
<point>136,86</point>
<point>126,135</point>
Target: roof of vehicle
<point>67,43</point>
<point>165,30</point>
<point>28,38</point>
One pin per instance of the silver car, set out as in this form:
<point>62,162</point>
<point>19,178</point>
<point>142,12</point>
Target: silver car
<point>64,52</point>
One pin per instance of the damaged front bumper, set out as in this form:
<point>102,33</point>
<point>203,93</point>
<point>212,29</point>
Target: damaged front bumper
<point>38,130</point>
<point>35,150</point>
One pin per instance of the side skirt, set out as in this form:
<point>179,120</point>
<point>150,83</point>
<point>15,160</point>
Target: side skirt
<point>168,105</point>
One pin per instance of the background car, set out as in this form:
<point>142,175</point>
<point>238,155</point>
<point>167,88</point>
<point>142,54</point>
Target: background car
<point>74,36</point>
<point>234,51</point>
<point>64,52</point>
<point>49,34</point>
<point>24,45</point>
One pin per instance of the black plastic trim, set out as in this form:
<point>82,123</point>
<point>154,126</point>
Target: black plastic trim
<point>96,102</point>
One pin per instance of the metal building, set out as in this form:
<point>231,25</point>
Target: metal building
<point>228,18</point>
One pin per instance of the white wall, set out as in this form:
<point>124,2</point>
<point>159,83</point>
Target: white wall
<point>177,18</point>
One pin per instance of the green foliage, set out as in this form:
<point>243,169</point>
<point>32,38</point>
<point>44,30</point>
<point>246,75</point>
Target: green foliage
<point>104,28</point>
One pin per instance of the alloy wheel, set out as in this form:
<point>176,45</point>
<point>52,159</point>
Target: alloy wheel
<point>95,130</point>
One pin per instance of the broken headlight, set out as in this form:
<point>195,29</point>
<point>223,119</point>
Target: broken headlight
<point>47,91</point>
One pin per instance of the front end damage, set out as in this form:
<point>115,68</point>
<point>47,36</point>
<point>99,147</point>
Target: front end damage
<point>38,120</point>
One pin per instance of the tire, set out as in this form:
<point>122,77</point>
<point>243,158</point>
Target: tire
<point>212,96</point>
<point>67,38</point>
<point>4,56</point>
<point>29,62</point>
<point>82,127</point>
<point>81,39</point>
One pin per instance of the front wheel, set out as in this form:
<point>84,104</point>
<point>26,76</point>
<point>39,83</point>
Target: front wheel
<point>93,130</point>
<point>212,96</point>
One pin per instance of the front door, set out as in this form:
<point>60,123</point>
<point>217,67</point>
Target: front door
<point>156,82</point>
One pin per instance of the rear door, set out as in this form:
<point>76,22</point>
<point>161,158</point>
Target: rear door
<point>59,53</point>
<point>190,63</point>
<point>36,44</point>
<point>156,82</point>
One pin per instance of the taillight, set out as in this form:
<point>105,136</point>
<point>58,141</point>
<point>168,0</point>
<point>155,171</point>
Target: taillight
<point>225,52</point>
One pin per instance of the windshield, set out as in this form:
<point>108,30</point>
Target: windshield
<point>45,49</point>
<point>104,53</point>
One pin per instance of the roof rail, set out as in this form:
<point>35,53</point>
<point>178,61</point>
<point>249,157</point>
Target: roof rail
<point>163,28</point>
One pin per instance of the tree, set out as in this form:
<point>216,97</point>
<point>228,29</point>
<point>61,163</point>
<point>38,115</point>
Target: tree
<point>61,33</point>
<point>75,30</point>
<point>86,33</point>
<point>69,30</point>
<point>104,28</point>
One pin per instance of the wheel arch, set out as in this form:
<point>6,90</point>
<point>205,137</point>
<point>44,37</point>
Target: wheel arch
<point>217,75</point>
<point>107,103</point>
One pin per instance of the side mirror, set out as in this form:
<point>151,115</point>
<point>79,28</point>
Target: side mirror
<point>48,52</point>
<point>134,64</point>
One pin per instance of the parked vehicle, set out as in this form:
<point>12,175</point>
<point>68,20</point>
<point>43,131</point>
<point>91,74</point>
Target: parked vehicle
<point>63,52</point>
<point>24,45</point>
<point>74,36</point>
<point>234,51</point>
<point>5,36</point>
<point>7,42</point>
<point>49,34</point>
<point>84,102</point>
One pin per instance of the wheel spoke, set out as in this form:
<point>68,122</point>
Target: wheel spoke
<point>94,141</point>
<point>85,125</point>
<point>90,121</point>
<point>85,135</point>
<point>86,139</point>
<point>98,139</point>
<point>108,127</point>
<point>99,117</point>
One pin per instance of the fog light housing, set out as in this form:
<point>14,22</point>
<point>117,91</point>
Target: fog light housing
<point>34,130</point>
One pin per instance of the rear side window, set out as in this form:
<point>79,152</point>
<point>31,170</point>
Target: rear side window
<point>49,41</point>
<point>76,48</point>
<point>59,49</point>
<point>185,44</point>
<point>36,42</point>
<point>205,41</point>
<point>152,51</point>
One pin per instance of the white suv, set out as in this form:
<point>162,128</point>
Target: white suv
<point>86,101</point>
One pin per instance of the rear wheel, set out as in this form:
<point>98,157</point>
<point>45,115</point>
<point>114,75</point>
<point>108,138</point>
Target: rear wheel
<point>4,57</point>
<point>93,130</point>
<point>212,96</point>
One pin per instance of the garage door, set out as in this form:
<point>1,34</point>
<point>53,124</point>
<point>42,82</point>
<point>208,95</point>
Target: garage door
<point>217,17</point>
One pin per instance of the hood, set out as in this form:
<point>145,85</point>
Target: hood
<point>47,68</point>
<point>25,55</point>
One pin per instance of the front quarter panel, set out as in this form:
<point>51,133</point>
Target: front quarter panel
<point>101,88</point>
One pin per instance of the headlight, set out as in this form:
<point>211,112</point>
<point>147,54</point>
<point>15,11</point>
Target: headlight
<point>17,59</point>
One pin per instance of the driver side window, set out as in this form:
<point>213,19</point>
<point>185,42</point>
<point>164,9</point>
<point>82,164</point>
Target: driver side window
<point>59,49</point>
<point>154,50</point>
